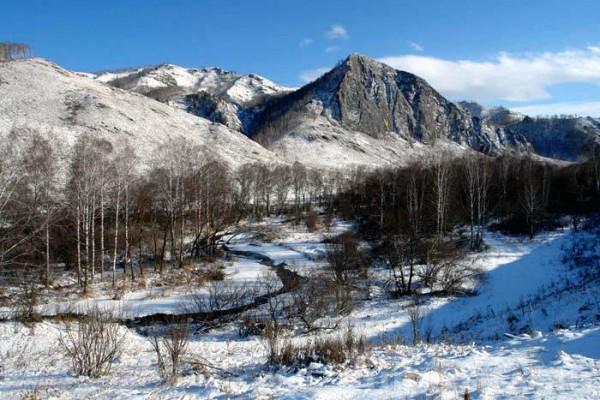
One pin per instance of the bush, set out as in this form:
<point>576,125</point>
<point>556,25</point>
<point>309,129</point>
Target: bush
<point>92,343</point>
<point>329,349</point>
<point>345,259</point>
<point>311,221</point>
<point>170,350</point>
<point>26,304</point>
<point>319,301</point>
<point>221,295</point>
<point>213,274</point>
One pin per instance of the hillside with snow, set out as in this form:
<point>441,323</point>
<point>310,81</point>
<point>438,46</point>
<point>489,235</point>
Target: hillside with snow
<point>240,89</point>
<point>362,112</point>
<point>39,95</point>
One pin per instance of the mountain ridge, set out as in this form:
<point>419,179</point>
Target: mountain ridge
<point>40,95</point>
<point>361,112</point>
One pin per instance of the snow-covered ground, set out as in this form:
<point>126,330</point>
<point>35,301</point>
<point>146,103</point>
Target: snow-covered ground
<point>523,335</point>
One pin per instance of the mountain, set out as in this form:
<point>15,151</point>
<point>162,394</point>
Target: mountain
<point>212,93</point>
<point>363,111</point>
<point>497,116</point>
<point>564,138</point>
<point>40,95</point>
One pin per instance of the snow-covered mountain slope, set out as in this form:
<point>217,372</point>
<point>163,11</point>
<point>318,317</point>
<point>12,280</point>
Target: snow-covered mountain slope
<point>561,138</point>
<point>363,111</point>
<point>239,89</point>
<point>212,93</point>
<point>565,138</point>
<point>37,94</point>
<point>323,145</point>
<point>499,116</point>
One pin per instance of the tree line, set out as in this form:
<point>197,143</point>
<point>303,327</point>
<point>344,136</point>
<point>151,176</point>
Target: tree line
<point>11,51</point>
<point>431,211</point>
<point>100,209</point>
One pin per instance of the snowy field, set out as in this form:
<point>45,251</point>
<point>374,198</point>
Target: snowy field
<point>523,335</point>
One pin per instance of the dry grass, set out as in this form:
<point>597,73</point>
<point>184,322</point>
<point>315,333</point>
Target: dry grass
<point>333,349</point>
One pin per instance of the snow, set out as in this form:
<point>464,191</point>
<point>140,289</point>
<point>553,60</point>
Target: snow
<point>488,358</point>
<point>37,94</point>
<point>321,143</point>
<point>240,89</point>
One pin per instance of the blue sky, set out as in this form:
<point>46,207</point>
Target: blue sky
<point>542,55</point>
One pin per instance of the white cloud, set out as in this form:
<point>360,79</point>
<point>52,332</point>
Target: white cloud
<point>509,77</point>
<point>337,32</point>
<point>416,46</point>
<point>312,74</point>
<point>591,109</point>
<point>305,42</point>
<point>331,49</point>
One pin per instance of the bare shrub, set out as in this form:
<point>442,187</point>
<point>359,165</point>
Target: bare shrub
<point>93,342</point>
<point>455,274</point>
<point>446,269</point>
<point>420,322</point>
<point>328,221</point>
<point>338,349</point>
<point>40,392</point>
<point>221,295</point>
<point>311,221</point>
<point>333,349</point>
<point>251,324</point>
<point>26,304</point>
<point>170,350</point>
<point>279,350</point>
<point>213,274</point>
<point>345,259</point>
<point>319,302</point>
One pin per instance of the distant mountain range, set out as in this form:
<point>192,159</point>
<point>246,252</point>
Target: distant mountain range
<point>361,112</point>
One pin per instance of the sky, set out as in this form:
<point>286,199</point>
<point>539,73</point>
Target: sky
<point>539,57</point>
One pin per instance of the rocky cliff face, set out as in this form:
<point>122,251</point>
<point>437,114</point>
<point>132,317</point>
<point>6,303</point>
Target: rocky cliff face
<point>563,138</point>
<point>363,95</point>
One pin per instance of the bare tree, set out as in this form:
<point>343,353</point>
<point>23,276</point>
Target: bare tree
<point>84,183</point>
<point>282,175</point>
<point>174,167</point>
<point>41,170</point>
<point>530,195</point>
<point>15,215</point>
<point>299,177</point>
<point>442,181</point>
<point>345,259</point>
<point>11,51</point>
<point>477,174</point>
<point>123,168</point>
<point>245,181</point>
